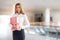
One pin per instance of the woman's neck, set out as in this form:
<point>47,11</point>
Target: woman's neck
<point>18,13</point>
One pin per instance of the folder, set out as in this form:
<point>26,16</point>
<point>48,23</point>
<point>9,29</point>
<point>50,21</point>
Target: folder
<point>13,20</point>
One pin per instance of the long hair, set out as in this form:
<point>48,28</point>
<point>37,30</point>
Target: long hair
<point>21,11</point>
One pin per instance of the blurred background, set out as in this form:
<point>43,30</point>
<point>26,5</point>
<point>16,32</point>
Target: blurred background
<point>42,14</point>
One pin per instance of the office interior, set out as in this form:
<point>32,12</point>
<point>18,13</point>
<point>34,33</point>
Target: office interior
<point>43,15</point>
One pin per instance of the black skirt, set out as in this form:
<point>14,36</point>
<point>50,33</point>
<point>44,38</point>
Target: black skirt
<point>19,35</point>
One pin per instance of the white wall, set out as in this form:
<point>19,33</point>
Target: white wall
<point>5,28</point>
<point>56,16</point>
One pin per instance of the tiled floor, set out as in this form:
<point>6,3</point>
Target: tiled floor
<point>31,34</point>
<point>38,37</point>
<point>35,37</point>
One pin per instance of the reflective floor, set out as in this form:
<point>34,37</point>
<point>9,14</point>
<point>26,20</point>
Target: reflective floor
<point>33,34</point>
<point>36,34</point>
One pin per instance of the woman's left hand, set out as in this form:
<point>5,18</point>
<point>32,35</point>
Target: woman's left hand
<point>18,27</point>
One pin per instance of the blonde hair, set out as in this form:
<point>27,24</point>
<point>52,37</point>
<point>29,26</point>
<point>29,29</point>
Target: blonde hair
<point>21,11</point>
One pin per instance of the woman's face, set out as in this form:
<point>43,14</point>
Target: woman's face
<point>18,8</point>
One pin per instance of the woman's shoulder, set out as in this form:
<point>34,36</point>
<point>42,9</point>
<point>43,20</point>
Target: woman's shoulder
<point>25,15</point>
<point>13,15</point>
<point>19,15</point>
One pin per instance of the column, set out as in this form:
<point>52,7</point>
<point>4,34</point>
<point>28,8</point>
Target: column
<point>47,17</point>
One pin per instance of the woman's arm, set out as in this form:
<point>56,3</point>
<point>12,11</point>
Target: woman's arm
<point>27,25</point>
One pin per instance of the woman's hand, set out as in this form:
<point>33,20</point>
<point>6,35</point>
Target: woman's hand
<point>16,27</point>
<point>13,27</point>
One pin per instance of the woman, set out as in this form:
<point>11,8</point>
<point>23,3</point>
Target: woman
<point>19,33</point>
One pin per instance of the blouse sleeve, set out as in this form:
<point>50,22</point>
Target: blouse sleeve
<point>27,25</point>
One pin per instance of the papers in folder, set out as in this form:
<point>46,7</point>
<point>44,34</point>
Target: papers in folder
<point>13,20</point>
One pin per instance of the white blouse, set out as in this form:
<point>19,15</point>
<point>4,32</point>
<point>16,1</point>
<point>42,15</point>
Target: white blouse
<point>21,19</point>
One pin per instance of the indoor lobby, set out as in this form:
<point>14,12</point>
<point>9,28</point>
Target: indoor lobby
<point>43,16</point>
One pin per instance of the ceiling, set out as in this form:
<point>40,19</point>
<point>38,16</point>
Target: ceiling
<point>7,5</point>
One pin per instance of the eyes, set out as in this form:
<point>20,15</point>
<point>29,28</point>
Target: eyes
<point>18,6</point>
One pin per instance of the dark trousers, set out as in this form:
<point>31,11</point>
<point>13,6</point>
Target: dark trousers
<point>19,35</point>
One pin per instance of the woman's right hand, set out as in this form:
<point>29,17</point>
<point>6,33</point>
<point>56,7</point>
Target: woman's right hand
<point>13,27</point>
<point>17,27</point>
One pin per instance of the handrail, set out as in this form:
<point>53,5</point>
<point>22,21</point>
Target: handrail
<point>42,24</point>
